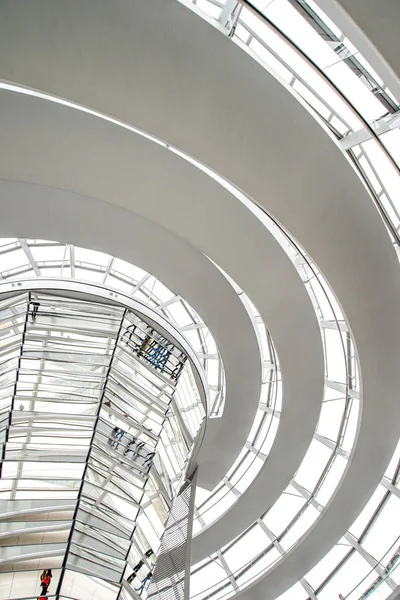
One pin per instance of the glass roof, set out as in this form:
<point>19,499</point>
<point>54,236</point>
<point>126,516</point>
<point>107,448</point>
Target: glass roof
<point>94,442</point>
<point>300,45</point>
<point>34,258</point>
<point>306,51</point>
<point>281,527</point>
<point>68,260</point>
<point>303,48</point>
<point>28,258</point>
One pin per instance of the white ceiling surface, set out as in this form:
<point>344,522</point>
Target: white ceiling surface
<point>158,66</point>
<point>108,162</point>
<point>374,28</point>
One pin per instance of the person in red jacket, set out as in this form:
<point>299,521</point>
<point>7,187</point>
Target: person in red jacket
<point>45,580</point>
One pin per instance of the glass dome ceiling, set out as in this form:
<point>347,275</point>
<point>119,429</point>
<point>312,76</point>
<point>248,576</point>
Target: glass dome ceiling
<point>304,49</point>
<point>97,428</point>
<point>22,259</point>
<point>370,138</point>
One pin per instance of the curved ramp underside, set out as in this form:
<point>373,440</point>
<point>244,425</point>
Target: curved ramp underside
<point>215,103</point>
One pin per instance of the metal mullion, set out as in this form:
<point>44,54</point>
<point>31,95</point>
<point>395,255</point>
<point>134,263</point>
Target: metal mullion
<point>113,539</point>
<point>164,305</point>
<point>99,538</point>
<point>73,430</point>
<point>65,381</point>
<point>82,377</point>
<point>64,262</point>
<point>132,366</point>
<point>17,315</point>
<point>131,421</point>
<point>11,340</point>
<point>61,325</point>
<point>376,194</point>
<point>227,570</point>
<point>390,486</point>
<point>147,415</point>
<point>83,400</point>
<point>102,516</point>
<point>269,410</point>
<point>58,360</point>
<point>45,415</point>
<point>78,375</point>
<point>70,455</point>
<point>361,71</point>
<point>231,487</point>
<point>113,513</point>
<point>349,398</point>
<point>145,408</point>
<point>310,62</point>
<point>264,418</point>
<point>334,446</point>
<point>136,361</point>
<point>254,450</point>
<point>107,515</point>
<point>29,255</point>
<point>364,154</point>
<point>39,434</point>
<point>74,308</point>
<point>83,314</point>
<point>118,480</point>
<point>375,514</point>
<point>91,267</point>
<point>44,478</point>
<point>139,284</point>
<point>129,360</point>
<point>308,588</point>
<point>72,260</point>
<point>298,78</point>
<point>137,425</point>
<point>105,491</point>
<point>136,398</point>
<point>120,463</point>
<point>20,270</point>
<point>227,17</point>
<point>184,430</point>
<point>374,564</point>
<point>108,269</point>
<point>161,487</point>
<point>97,469</point>
<point>7,369</point>
<point>192,326</point>
<point>61,490</point>
<point>13,246</point>
<point>95,559</point>
<point>59,344</point>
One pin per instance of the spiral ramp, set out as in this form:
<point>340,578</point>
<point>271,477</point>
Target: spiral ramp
<point>233,151</point>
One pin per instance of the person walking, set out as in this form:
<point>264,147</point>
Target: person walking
<point>45,580</point>
<point>135,447</point>
<point>116,437</point>
<point>139,566</point>
<point>140,589</point>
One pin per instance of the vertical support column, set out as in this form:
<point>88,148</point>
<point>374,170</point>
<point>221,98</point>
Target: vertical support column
<point>171,578</point>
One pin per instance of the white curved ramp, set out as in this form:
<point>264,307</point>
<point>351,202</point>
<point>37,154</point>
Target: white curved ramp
<point>278,289</point>
<point>215,103</point>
